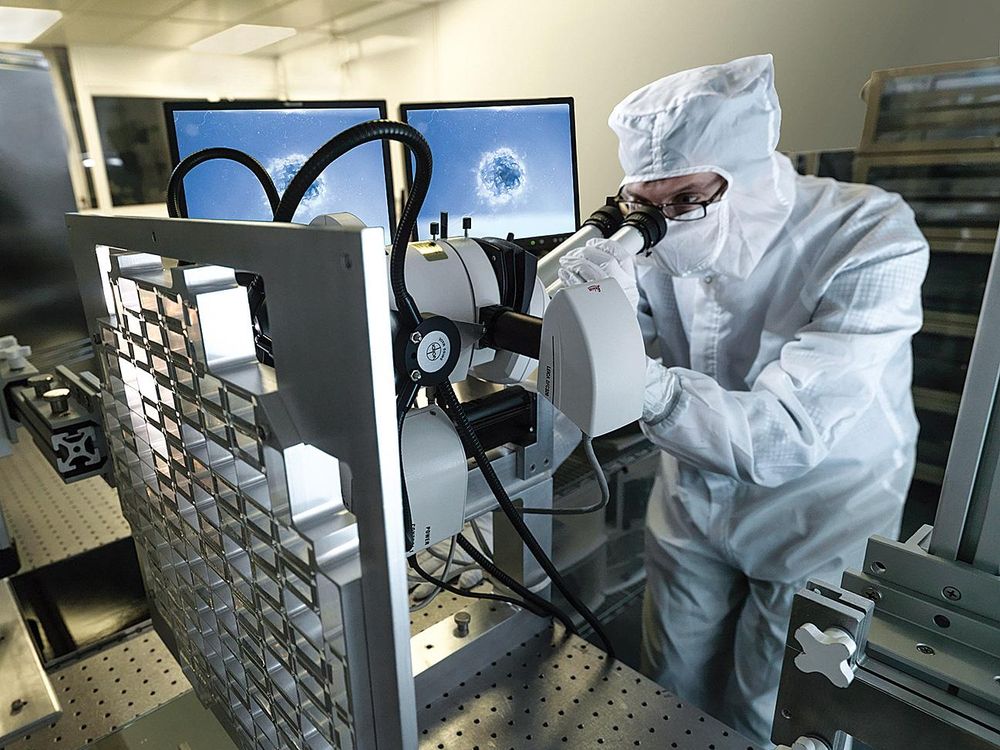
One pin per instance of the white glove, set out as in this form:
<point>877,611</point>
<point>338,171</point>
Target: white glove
<point>661,392</point>
<point>600,259</point>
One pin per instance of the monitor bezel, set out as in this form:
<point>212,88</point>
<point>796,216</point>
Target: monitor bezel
<point>529,243</point>
<point>169,107</point>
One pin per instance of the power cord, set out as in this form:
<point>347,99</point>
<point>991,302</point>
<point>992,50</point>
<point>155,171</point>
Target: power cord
<point>602,482</point>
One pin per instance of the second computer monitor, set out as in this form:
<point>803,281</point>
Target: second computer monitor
<point>281,136</point>
<point>510,165</point>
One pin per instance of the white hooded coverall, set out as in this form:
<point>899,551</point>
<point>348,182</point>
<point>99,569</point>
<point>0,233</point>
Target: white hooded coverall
<point>782,403</point>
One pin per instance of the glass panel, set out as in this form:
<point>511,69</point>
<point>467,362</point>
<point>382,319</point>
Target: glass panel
<point>134,141</point>
<point>941,106</point>
<point>946,195</point>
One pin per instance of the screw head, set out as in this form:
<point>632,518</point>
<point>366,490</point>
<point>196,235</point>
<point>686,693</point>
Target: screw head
<point>415,376</point>
<point>925,649</point>
<point>872,593</point>
<point>462,620</point>
<point>262,432</point>
<point>17,705</point>
<point>416,337</point>
<point>786,714</point>
<point>951,593</point>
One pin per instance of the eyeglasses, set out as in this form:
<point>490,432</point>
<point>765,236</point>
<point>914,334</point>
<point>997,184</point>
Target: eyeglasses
<point>674,211</point>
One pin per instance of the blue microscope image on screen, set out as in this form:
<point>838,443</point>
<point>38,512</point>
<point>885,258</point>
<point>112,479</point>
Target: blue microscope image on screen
<point>510,168</point>
<point>281,140</point>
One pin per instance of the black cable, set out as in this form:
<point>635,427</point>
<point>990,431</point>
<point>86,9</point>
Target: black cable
<point>513,584</point>
<point>453,408</point>
<point>230,154</point>
<point>376,130</point>
<point>602,482</point>
<point>253,283</point>
<point>471,594</point>
<point>340,144</point>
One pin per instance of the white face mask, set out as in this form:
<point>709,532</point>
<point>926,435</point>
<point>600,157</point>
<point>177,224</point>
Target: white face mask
<point>690,247</point>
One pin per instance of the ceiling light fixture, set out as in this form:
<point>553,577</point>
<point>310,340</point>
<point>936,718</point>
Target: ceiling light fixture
<point>242,38</point>
<point>22,25</point>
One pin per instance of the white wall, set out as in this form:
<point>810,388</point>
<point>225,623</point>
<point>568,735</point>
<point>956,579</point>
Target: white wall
<point>127,71</point>
<point>600,50</point>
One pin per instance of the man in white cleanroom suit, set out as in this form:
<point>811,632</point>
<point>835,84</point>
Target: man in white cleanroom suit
<point>778,310</point>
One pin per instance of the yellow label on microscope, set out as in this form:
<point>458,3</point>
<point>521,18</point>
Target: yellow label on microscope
<point>430,250</point>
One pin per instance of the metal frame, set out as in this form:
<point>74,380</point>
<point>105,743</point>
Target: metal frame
<point>967,526</point>
<point>341,377</point>
<point>27,700</point>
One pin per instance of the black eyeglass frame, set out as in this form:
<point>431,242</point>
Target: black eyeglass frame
<point>685,215</point>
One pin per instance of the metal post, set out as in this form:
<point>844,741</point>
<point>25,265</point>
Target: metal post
<point>971,478</point>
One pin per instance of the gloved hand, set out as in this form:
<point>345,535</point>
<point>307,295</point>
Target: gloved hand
<point>662,390</point>
<point>601,259</point>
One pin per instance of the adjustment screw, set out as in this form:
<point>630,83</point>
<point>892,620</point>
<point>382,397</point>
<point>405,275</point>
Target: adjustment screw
<point>16,706</point>
<point>416,337</point>
<point>951,593</point>
<point>415,376</point>
<point>462,620</point>
<point>40,383</point>
<point>872,593</point>
<point>58,400</point>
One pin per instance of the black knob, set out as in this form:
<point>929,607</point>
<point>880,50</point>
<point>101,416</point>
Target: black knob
<point>466,224</point>
<point>58,399</point>
<point>434,230</point>
<point>41,383</point>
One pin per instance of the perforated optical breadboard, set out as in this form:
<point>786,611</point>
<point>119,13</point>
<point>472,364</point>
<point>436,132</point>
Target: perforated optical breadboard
<point>51,520</point>
<point>257,619</point>
<point>554,691</point>
<point>107,690</point>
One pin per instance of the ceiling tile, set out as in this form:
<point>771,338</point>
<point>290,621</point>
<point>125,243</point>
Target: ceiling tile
<point>306,14</point>
<point>373,13</point>
<point>91,28</point>
<point>147,8</point>
<point>301,40</point>
<point>173,34</point>
<point>222,10</point>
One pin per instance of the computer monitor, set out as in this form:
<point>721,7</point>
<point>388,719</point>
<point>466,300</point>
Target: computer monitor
<point>281,136</point>
<point>510,165</point>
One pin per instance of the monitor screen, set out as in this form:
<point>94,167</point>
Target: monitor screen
<point>281,136</point>
<point>510,165</point>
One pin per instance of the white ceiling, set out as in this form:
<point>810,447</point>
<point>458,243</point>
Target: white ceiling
<point>175,24</point>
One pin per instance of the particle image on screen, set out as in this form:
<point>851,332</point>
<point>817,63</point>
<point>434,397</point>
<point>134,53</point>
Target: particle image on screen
<point>501,177</point>
<point>281,138</point>
<point>508,165</point>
